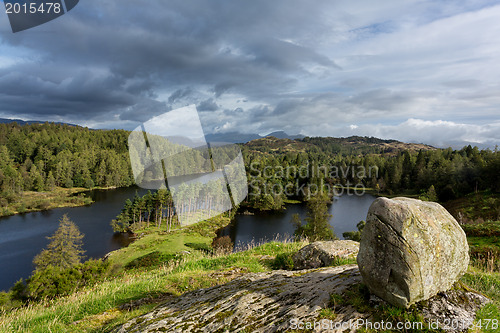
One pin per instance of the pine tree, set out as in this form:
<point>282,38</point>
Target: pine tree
<point>430,195</point>
<point>355,235</point>
<point>36,179</point>
<point>318,218</point>
<point>50,183</point>
<point>65,249</point>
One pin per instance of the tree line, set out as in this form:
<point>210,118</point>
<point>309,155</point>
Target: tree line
<point>157,208</point>
<point>193,202</point>
<point>442,174</point>
<point>39,157</point>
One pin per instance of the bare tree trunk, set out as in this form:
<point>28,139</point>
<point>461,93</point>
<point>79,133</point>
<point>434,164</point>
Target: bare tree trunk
<point>156,215</point>
<point>161,215</point>
<point>171,213</point>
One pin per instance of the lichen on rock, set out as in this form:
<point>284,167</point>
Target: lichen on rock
<point>410,250</point>
<point>255,302</point>
<point>324,253</point>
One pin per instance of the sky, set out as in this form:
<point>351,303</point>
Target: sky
<point>415,70</point>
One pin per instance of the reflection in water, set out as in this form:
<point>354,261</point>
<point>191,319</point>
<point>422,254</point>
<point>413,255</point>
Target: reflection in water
<point>347,211</point>
<point>23,236</point>
<point>263,226</point>
<point>122,239</point>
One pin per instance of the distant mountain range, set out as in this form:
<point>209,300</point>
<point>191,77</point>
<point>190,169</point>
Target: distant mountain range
<point>30,122</point>
<point>236,137</point>
<point>353,145</point>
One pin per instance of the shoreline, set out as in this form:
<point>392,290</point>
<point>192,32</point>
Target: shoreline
<point>31,201</point>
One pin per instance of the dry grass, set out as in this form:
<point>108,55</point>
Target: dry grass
<point>30,201</point>
<point>100,308</point>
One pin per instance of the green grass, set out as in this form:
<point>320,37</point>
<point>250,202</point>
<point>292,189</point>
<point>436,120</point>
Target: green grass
<point>484,271</point>
<point>484,243</point>
<point>97,308</point>
<point>292,201</point>
<point>487,283</point>
<point>483,205</point>
<point>194,239</point>
<point>154,268</point>
<point>483,276</point>
<point>153,241</point>
<point>483,229</point>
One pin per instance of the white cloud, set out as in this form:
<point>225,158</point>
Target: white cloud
<point>438,133</point>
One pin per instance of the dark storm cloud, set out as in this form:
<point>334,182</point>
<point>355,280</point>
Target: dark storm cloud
<point>208,105</point>
<point>222,87</point>
<point>284,56</point>
<point>317,67</point>
<point>85,94</point>
<point>179,94</point>
<point>144,110</point>
<point>115,56</point>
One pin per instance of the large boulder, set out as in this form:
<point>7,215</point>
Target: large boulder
<point>410,250</point>
<point>321,254</point>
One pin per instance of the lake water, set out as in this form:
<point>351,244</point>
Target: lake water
<point>346,211</point>
<point>24,236</point>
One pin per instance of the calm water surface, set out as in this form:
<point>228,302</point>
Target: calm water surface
<point>24,236</point>
<point>347,211</point>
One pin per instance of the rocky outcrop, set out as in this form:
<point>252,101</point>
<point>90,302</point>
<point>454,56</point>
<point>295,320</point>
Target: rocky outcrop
<point>255,302</point>
<point>321,254</point>
<point>453,311</point>
<point>410,250</point>
<point>286,301</point>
